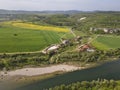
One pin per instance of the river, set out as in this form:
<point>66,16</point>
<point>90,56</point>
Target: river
<point>109,70</point>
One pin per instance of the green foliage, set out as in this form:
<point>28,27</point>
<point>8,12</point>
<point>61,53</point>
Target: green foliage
<point>98,20</point>
<point>14,61</point>
<point>96,56</point>
<point>93,85</point>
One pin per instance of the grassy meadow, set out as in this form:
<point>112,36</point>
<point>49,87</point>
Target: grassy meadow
<point>22,39</point>
<point>107,42</point>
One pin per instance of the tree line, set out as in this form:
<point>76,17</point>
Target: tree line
<point>102,84</point>
<point>13,61</point>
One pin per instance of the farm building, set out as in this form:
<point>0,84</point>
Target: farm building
<point>51,48</point>
<point>65,42</point>
<point>86,47</point>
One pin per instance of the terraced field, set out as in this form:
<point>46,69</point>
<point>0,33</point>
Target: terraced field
<point>107,42</point>
<point>22,39</point>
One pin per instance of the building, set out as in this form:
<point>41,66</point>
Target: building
<point>51,48</point>
<point>90,50</point>
<point>105,30</point>
<point>86,47</point>
<point>65,42</point>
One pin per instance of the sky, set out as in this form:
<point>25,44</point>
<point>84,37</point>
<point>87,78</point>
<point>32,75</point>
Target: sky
<point>41,5</point>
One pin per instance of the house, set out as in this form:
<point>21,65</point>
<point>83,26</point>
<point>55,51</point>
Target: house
<point>78,39</point>
<point>86,47</point>
<point>65,42</point>
<point>90,50</point>
<point>105,30</point>
<point>111,31</point>
<point>91,29</point>
<point>51,48</point>
<point>54,47</point>
<point>82,18</point>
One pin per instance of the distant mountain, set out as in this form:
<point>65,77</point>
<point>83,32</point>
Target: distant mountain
<point>2,11</point>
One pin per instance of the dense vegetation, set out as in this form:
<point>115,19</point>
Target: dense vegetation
<point>95,20</point>
<point>93,85</point>
<point>97,56</point>
<point>13,61</point>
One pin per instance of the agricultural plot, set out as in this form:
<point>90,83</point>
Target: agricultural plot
<point>36,27</point>
<point>17,39</point>
<point>107,42</point>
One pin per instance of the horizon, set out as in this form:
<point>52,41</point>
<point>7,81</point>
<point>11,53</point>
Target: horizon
<point>60,5</point>
<point>60,10</point>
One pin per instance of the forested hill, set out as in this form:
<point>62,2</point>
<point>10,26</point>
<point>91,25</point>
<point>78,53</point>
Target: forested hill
<point>2,11</point>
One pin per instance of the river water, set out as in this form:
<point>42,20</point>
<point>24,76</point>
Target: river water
<point>109,70</point>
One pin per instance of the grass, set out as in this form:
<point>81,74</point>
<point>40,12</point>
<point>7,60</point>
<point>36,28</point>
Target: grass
<point>79,33</point>
<point>107,42</point>
<point>16,39</point>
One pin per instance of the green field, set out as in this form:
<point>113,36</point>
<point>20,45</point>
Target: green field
<point>107,42</point>
<point>15,39</point>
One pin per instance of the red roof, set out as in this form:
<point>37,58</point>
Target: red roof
<point>86,47</point>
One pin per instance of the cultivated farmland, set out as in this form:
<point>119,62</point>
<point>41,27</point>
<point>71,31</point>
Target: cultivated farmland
<point>22,37</point>
<point>107,42</point>
<point>36,27</point>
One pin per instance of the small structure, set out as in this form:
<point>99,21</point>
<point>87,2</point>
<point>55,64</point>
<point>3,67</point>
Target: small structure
<point>82,18</point>
<point>65,42</point>
<point>51,48</point>
<point>105,30</point>
<point>86,47</point>
<point>90,50</point>
<point>78,38</point>
<point>55,47</point>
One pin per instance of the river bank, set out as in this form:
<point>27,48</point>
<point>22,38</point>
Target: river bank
<point>108,70</point>
<point>24,76</point>
<point>40,70</point>
<point>39,82</point>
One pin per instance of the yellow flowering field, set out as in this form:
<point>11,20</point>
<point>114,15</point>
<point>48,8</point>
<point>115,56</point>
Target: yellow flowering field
<point>38,27</point>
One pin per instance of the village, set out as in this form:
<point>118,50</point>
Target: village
<point>105,30</point>
<point>81,47</point>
